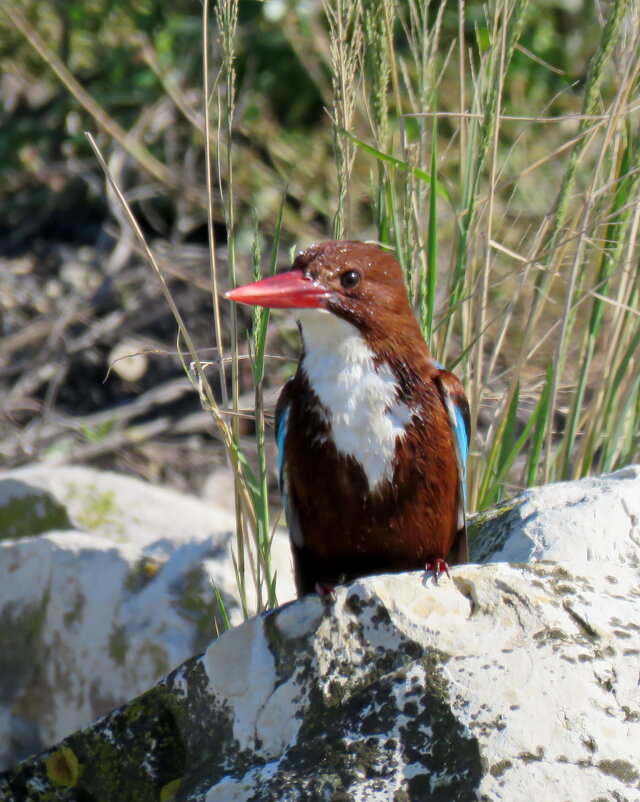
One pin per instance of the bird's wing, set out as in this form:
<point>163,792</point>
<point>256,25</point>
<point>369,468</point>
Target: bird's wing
<point>457,406</point>
<point>283,409</point>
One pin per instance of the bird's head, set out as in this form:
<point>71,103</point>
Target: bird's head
<point>355,281</point>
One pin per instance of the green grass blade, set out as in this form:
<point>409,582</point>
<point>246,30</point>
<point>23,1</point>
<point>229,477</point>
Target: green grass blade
<point>542,423</point>
<point>393,161</point>
<point>430,279</point>
<point>260,483</point>
<point>222,611</point>
<point>603,437</point>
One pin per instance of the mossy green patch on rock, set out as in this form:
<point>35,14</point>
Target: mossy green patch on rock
<point>157,654</point>
<point>98,509</point>
<point>622,769</point>
<point>63,767</point>
<point>290,653</point>
<point>490,529</point>
<point>499,768</point>
<point>168,793</point>
<point>34,617</point>
<point>532,757</point>
<point>433,661</point>
<point>75,613</point>
<point>118,645</point>
<point>132,753</point>
<point>380,704</point>
<point>31,513</point>
<point>375,732</point>
<point>142,573</point>
<point>20,633</point>
<point>195,602</point>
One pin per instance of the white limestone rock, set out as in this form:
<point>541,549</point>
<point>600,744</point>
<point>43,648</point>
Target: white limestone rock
<point>105,586</point>
<point>504,683</point>
<point>591,519</point>
<point>500,685</point>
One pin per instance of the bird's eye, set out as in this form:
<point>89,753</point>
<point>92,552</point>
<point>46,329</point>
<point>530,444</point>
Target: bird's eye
<point>350,279</point>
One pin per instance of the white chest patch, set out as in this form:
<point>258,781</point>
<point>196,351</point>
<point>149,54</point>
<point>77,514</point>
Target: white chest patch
<point>364,414</point>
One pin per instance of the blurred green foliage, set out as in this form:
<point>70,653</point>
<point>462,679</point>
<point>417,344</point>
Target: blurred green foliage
<point>283,135</point>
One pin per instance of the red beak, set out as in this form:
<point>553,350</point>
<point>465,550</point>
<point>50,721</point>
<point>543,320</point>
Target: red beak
<point>290,290</point>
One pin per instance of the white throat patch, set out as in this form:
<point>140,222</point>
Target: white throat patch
<point>364,414</point>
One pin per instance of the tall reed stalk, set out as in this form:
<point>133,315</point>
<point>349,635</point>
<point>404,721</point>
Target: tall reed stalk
<point>345,20</point>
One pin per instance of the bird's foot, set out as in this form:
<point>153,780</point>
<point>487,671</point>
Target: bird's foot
<point>438,567</point>
<point>326,590</point>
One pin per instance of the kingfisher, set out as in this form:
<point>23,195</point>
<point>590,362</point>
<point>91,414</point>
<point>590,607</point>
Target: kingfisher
<point>372,432</point>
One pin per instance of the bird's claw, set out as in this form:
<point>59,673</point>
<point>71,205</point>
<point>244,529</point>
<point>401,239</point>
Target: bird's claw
<point>438,566</point>
<point>326,591</point>
<point>326,588</point>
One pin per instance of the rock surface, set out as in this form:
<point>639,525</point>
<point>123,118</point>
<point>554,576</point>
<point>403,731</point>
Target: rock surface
<point>592,519</point>
<point>507,682</point>
<point>105,586</point>
<point>500,684</point>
